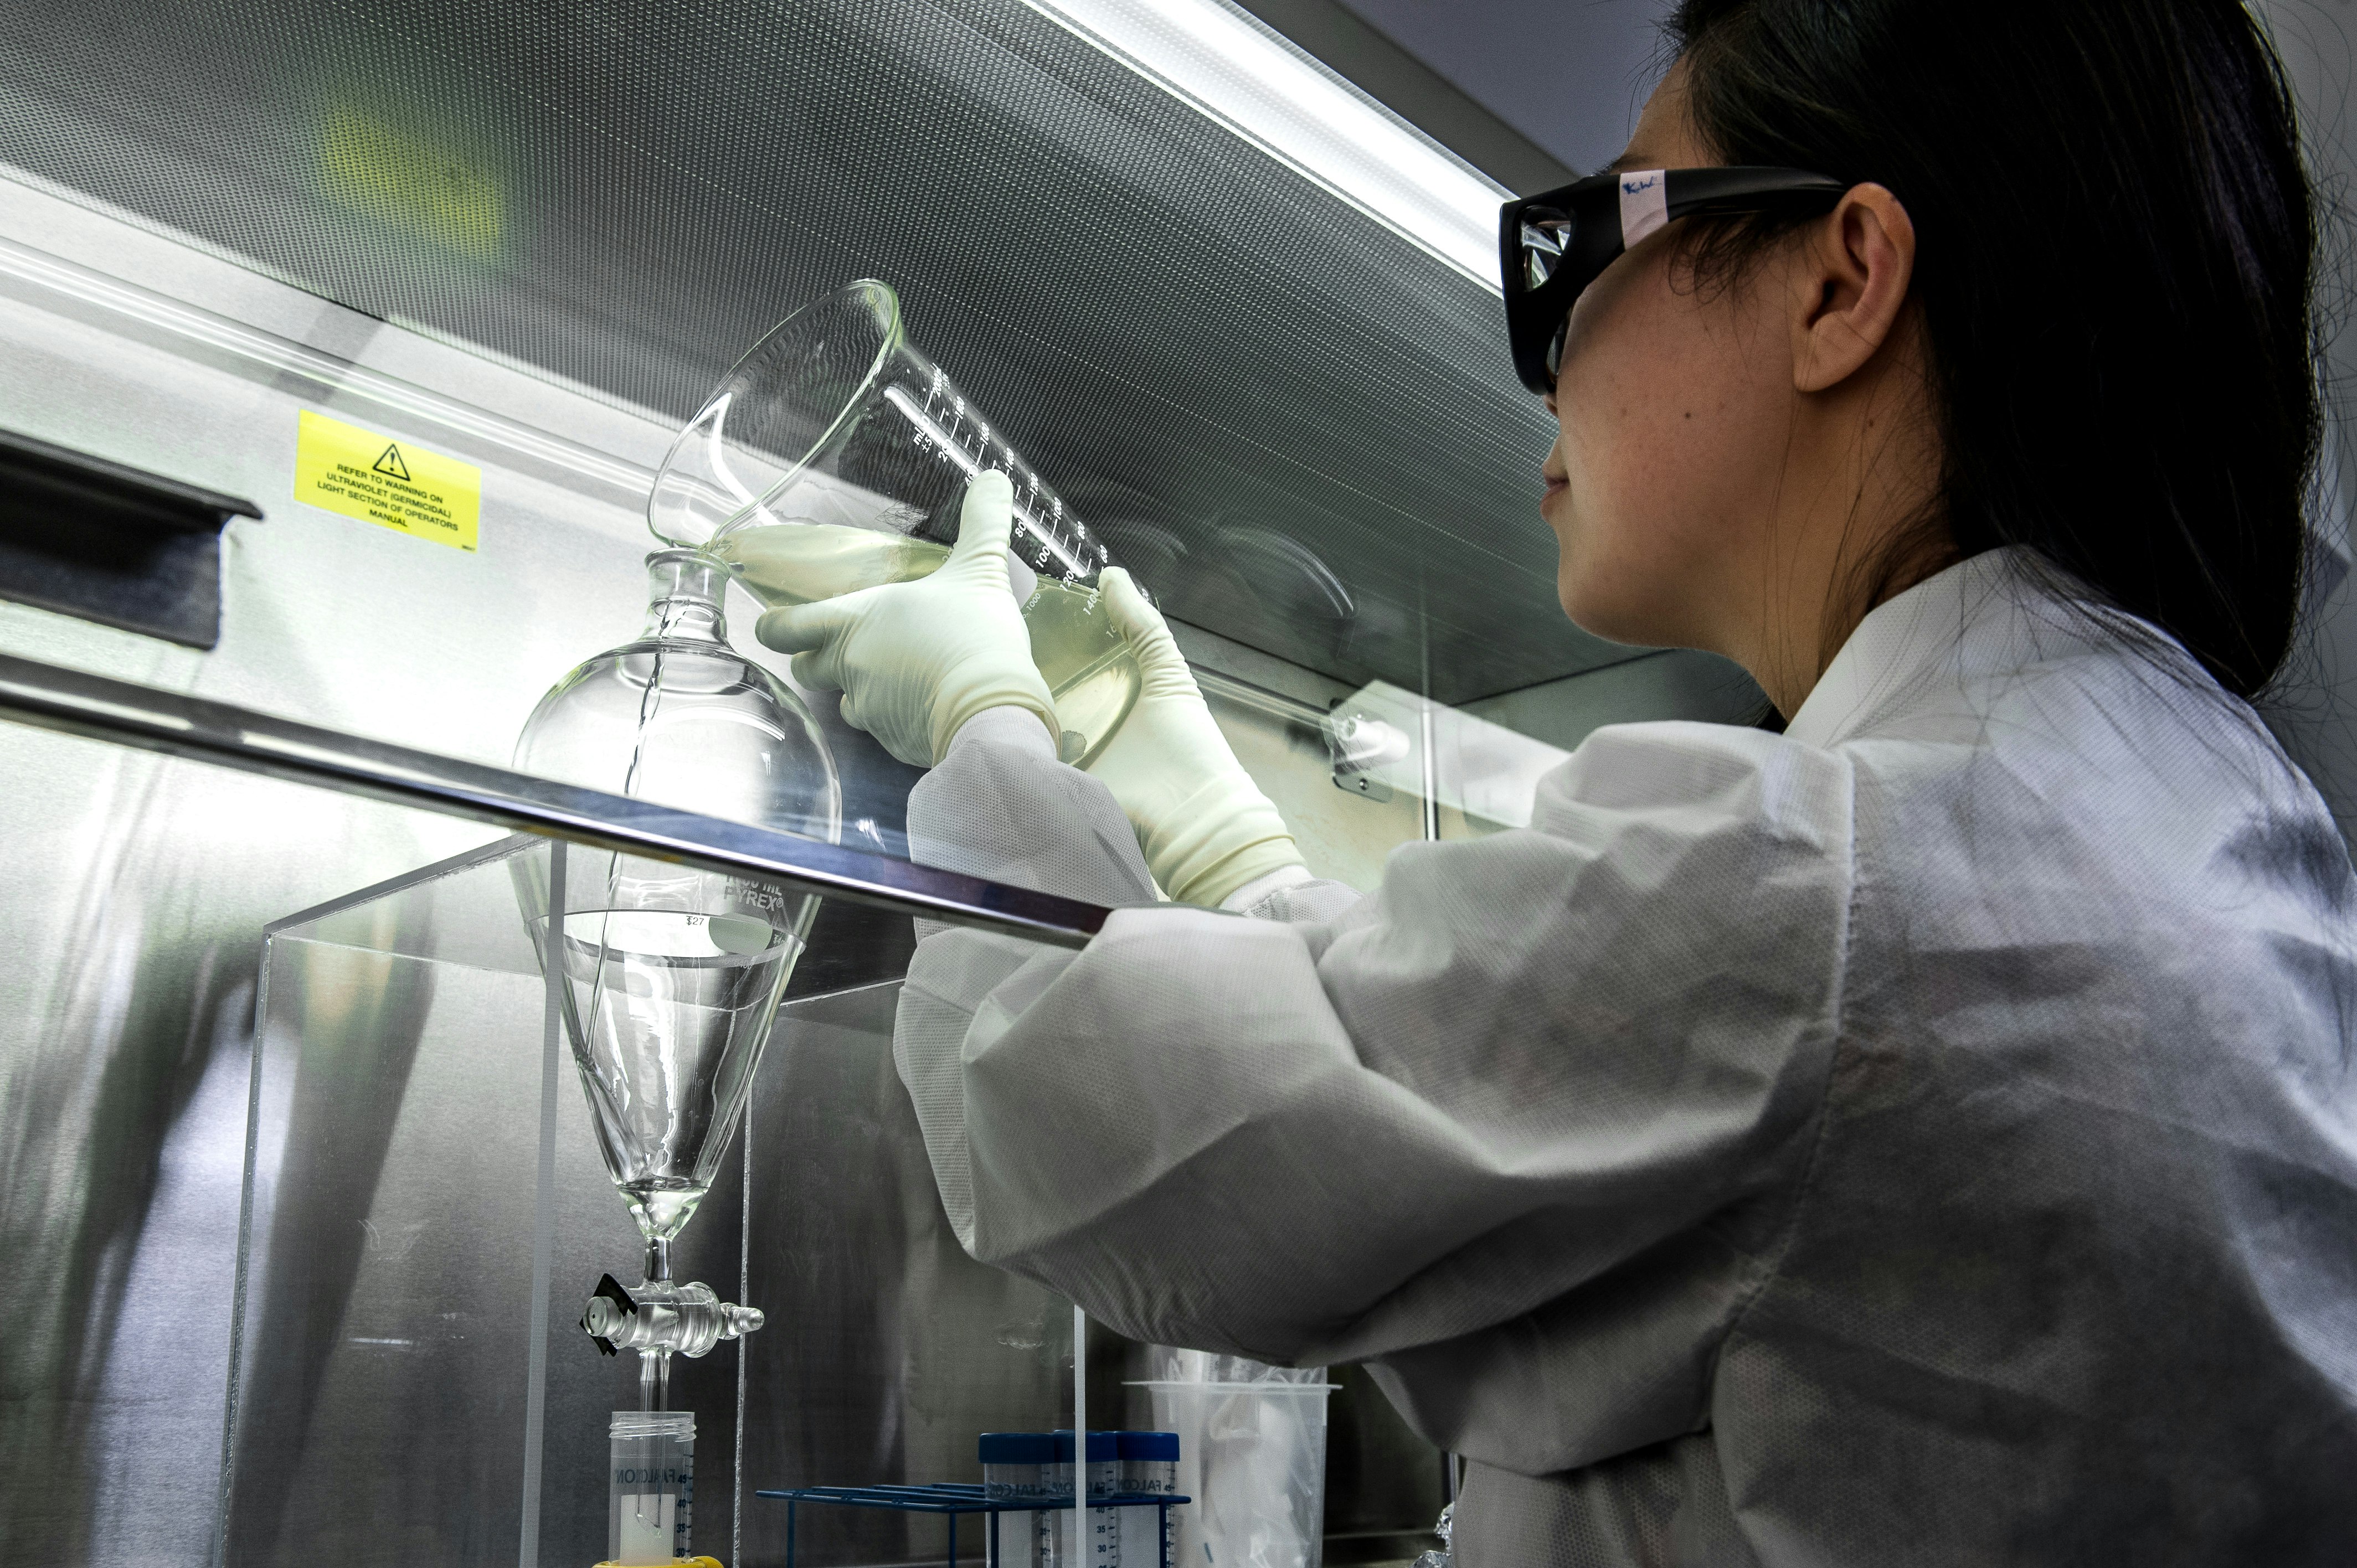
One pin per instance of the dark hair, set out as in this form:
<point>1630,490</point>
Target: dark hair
<point>2116,256</point>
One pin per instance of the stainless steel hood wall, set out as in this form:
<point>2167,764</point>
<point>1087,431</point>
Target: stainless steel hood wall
<point>1236,372</point>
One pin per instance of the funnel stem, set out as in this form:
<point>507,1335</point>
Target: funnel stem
<point>658,1259</point>
<point>654,1380</point>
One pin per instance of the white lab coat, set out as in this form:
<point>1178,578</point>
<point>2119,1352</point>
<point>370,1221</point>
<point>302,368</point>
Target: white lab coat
<point>1924,1136</point>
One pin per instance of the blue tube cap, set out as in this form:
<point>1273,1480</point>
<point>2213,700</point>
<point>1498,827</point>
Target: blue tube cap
<point>1148,1444</point>
<point>1103,1445</point>
<point>1023,1447</point>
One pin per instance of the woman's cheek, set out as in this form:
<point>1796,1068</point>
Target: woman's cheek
<point>1622,518</point>
<point>1601,550</point>
<point>1607,462</point>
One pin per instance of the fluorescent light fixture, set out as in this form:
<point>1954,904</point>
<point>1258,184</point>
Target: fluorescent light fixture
<point>1232,67</point>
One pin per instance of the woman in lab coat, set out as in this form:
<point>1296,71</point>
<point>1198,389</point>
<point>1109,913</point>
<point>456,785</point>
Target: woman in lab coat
<point>1923,1136</point>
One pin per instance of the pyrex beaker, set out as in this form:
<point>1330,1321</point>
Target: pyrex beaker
<point>835,456</point>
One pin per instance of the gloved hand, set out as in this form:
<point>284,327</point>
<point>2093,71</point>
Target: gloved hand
<point>1203,824</point>
<point>914,660</point>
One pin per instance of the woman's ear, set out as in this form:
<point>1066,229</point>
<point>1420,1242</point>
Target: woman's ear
<point>1849,285</point>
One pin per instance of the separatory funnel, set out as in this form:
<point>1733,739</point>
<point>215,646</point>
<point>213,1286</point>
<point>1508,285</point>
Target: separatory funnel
<point>835,456</point>
<point>670,976</point>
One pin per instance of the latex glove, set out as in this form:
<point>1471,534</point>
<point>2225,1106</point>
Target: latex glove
<point>1203,824</point>
<point>914,660</point>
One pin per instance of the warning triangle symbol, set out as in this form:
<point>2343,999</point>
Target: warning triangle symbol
<point>391,462</point>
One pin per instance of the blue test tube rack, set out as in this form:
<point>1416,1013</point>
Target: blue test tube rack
<point>953,1499</point>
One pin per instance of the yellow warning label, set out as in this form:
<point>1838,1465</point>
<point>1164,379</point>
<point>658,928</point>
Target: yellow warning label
<point>392,483</point>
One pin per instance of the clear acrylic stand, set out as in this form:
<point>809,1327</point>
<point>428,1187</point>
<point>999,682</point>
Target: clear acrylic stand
<point>415,1120</point>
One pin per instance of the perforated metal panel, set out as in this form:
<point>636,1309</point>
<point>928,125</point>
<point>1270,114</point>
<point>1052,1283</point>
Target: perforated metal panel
<point>1237,375</point>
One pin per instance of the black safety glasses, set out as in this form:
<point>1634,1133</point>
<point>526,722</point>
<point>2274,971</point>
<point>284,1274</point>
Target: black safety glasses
<point>1554,244</point>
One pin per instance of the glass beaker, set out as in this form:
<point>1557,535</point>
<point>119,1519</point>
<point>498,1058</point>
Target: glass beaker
<point>835,456</point>
<point>650,1498</point>
<point>672,975</point>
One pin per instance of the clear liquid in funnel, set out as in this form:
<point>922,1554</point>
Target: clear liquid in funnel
<point>1087,665</point>
<point>667,1011</point>
<point>663,1204</point>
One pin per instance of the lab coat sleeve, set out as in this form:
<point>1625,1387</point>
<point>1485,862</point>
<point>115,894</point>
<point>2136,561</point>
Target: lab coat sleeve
<point>1528,1066</point>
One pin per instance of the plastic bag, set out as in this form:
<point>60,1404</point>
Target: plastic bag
<point>1172,1365</point>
